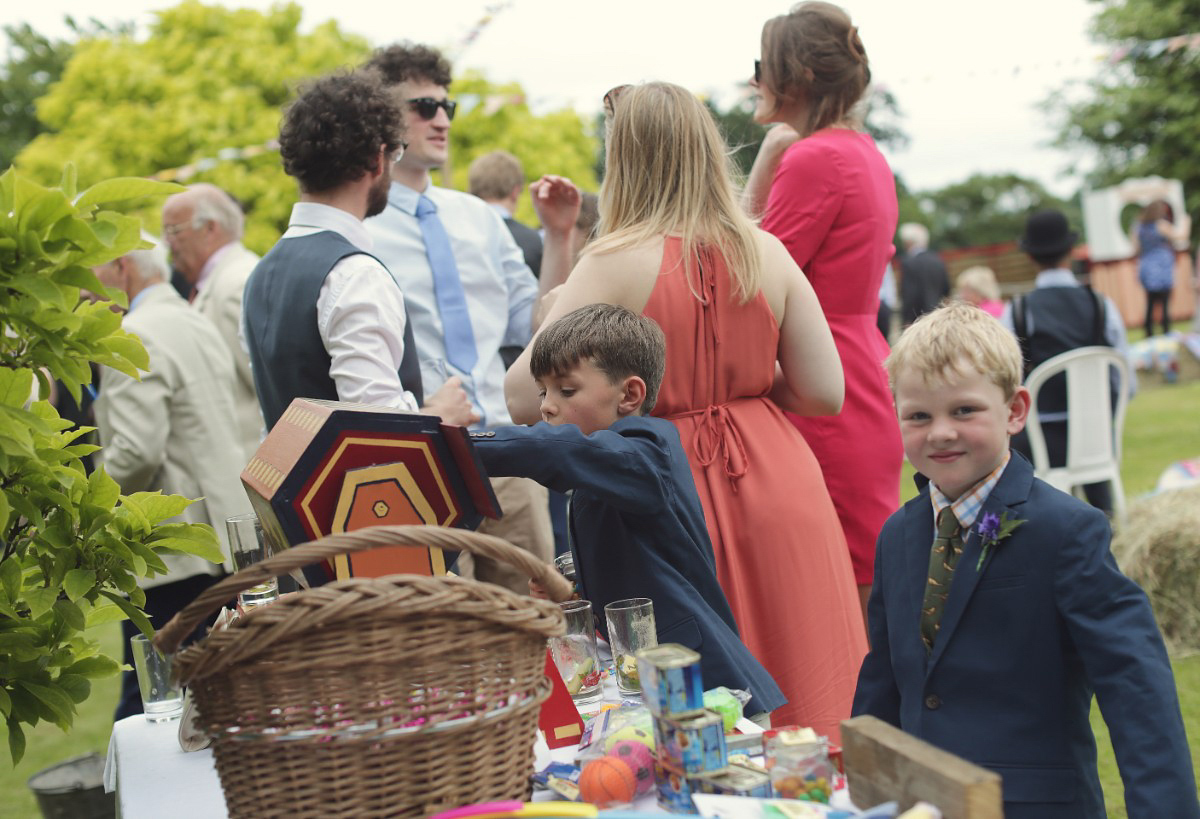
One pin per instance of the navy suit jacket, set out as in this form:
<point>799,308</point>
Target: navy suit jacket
<point>1024,642</point>
<point>637,530</point>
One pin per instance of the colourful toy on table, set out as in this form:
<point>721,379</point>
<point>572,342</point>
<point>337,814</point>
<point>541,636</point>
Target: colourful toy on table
<point>735,780</point>
<point>559,719</point>
<point>693,745</point>
<point>538,810</point>
<point>639,758</point>
<point>799,763</point>
<point>561,778</point>
<point>607,780</point>
<point>671,684</point>
<point>726,703</point>
<point>691,755</point>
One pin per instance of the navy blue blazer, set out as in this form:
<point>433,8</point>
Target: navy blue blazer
<point>637,530</point>
<point>1023,645</point>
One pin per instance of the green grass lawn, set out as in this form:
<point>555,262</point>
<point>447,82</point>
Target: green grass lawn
<point>1161,427</point>
<point>47,745</point>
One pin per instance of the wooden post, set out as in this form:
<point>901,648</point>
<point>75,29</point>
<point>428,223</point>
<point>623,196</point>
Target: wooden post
<point>884,764</point>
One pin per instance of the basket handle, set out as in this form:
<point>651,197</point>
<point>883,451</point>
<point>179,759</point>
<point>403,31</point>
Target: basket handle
<point>171,635</point>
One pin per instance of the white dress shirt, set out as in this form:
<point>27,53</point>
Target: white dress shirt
<point>500,288</point>
<point>360,313</point>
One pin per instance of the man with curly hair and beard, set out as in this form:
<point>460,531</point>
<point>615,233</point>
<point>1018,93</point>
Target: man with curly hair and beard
<point>323,318</point>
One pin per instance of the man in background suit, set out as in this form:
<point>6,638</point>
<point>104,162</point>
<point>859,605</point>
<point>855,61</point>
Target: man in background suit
<point>203,227</point>
<point>923,278</point>
<point>498,179</point>
<point>174,430</point>
<point>1057,316</point>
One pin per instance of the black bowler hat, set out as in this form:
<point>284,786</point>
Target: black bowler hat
<point>1048,234</point>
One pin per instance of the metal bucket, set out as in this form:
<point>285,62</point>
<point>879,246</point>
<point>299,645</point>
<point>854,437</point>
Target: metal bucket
<point>74,790</point>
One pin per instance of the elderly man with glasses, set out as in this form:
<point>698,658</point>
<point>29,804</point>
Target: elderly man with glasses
<point>203,229</point>
<point>465,280</point>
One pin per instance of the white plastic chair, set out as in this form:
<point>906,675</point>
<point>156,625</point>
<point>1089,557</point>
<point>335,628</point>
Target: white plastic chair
<point>1095,426</point>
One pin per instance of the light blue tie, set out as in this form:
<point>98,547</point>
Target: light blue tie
<point>447,289</point>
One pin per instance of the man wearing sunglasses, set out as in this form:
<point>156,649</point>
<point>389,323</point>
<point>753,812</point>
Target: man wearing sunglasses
<point>465,281</point>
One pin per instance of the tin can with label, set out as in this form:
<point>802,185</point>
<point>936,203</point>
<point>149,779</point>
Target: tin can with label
<point>673,788</point>
<point>694,745</point>
<point>736,780</point>
<point>671,684</point>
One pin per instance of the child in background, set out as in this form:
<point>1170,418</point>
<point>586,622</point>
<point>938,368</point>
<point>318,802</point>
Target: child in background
<point>636,524</point>
<point>991,643</point>
<point>978,286</point>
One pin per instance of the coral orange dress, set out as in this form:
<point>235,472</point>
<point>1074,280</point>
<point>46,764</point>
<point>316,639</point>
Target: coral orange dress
<point>781,556</point>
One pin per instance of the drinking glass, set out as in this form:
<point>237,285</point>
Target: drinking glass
<point>630,629</point>
<point>248,546</point>
<point>162,700</point>
<point>575,653</point>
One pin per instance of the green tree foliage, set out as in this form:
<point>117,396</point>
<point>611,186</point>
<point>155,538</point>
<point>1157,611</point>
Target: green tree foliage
<point>985,209</point>
<point>1141,117</point>
<point>205,79</point>
<point>909,205</point>
<point>742,134</point>
<point>496,117</point>
<point>883,119</point>
<point>35,62</point>
<point>71,547</point>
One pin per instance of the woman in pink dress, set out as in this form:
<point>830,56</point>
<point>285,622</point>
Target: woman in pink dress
<point>824,189</point>
<point>745,337</point>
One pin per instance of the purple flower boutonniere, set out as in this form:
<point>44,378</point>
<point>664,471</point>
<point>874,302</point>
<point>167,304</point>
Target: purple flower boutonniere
<point>992,529</point>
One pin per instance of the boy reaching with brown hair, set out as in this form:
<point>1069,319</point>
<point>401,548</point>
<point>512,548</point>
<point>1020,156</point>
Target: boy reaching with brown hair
<point>636,524</point>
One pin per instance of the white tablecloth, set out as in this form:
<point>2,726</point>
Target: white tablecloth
<point>153,777</point>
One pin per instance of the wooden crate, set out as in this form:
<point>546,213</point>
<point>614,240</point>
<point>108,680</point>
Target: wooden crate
<point>884,764</point>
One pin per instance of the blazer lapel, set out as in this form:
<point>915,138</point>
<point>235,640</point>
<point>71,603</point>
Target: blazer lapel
<point>918,536</point>
<point>1012,489</point>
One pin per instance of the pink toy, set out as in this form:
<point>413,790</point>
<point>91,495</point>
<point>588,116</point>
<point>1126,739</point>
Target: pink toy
<point>640,760</point>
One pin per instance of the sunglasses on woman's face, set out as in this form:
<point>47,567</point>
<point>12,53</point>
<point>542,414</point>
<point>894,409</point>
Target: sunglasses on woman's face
<point>757,71</point>
<point>427,107</point>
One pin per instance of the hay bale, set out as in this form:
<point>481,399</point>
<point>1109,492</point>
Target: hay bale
<point>1159,547</point>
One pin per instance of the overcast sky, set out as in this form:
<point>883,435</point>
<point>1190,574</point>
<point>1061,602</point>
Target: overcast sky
<point>968,74</point>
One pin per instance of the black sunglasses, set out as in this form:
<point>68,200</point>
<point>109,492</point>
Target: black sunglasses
<point>426,107</point>
<point>758,71</point>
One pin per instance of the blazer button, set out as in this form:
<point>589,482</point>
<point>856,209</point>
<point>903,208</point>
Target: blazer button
<point>933,702</point>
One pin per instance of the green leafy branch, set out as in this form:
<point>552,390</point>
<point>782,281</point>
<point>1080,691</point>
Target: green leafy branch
<point>71,546</point>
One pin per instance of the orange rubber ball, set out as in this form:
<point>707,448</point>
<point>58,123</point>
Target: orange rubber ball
<point>606,781</point>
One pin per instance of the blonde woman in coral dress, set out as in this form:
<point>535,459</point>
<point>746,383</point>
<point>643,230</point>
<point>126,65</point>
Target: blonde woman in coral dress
<point>745,338</point>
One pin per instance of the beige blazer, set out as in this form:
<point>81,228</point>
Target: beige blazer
<point>221,301</point>
<point>175,429</point>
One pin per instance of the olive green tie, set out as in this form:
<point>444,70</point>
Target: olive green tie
<point>947,547</point>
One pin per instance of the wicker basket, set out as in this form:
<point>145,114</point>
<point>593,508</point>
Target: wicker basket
<point>395,696</point>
